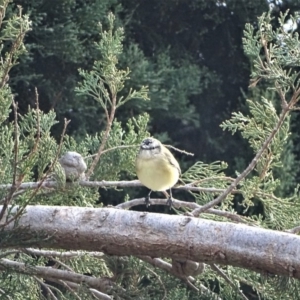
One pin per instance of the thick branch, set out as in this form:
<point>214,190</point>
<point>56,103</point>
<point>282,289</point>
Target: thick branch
<point>120,232</point>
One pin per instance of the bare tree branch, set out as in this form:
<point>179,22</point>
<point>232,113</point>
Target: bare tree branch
<point>228,280</point>
<point>46,287</point>
<point>120,232</point>
<point>50,273</point>
<point>67,254</point>
<point>177,204</point>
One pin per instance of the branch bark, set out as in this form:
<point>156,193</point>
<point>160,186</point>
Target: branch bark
<point>119,232</point>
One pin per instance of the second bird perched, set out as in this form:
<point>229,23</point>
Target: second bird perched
<point>156,167</point>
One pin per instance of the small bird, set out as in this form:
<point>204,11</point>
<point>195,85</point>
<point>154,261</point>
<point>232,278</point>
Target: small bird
<point>156,168</point>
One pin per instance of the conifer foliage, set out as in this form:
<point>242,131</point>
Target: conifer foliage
<point>58,242</point>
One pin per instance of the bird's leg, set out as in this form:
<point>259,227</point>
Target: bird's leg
<point>170,201</point>
<point>147,199</point>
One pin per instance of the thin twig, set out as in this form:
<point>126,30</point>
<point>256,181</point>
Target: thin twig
<point>99,295</point>
<point>209,179</point>
<point>183,204</point>
<point>48,273</point>
<point>108,184</point>
<point>159,263</point>
<point>70,289</point>
<point>228,280</point>
<point>160,281</point>
<point>46,287</point>
<point>67,254</point>
<point>111,149</point>
<point>62,264</point>
<point>15,195</point>
<point>109,123</point>
<point>123,183</point>
<point>4,254</point>
<point>179,150</point>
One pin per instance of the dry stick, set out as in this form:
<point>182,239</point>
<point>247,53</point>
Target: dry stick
<point>50,273</point>
<point>179,150</point>
<point>108,184</point>
<point>99,295</point>
<point>71,286</point>
<point>124,183</point>
<point>15,195</point>
<point>135,202</point>
<point>110,119</point>
<point>134,146</point>
<point>58,262</point>
<point>38,133</point>
<point>159,263</point>
<point>67,254</point>
<point>76,286</point>
<point>227,279</point>
<point>250,167</point>
<point>111,149</point>
<point>54,288</point>
<point>210,178</point>
<point>4,254</point>
<point>46,287</point>
<point>66,285</point>
<point>160,282</point>
<point>178,204</point>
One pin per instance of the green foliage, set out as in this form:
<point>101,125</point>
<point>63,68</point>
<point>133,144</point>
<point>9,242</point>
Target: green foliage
<point>282,53</point>
<point>13,31</point>
<point>273,65</point>
<point>120,150</point>
<point>29,152</point>
<point>105,80</point>
<point>205,176</point>
<point>256,130</point>
<point>36,152</point>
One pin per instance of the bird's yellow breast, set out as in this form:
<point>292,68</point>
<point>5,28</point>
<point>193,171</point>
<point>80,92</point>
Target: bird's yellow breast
<point>156,174</point>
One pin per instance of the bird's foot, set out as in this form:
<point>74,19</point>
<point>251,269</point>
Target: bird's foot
<point>170,202</point>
